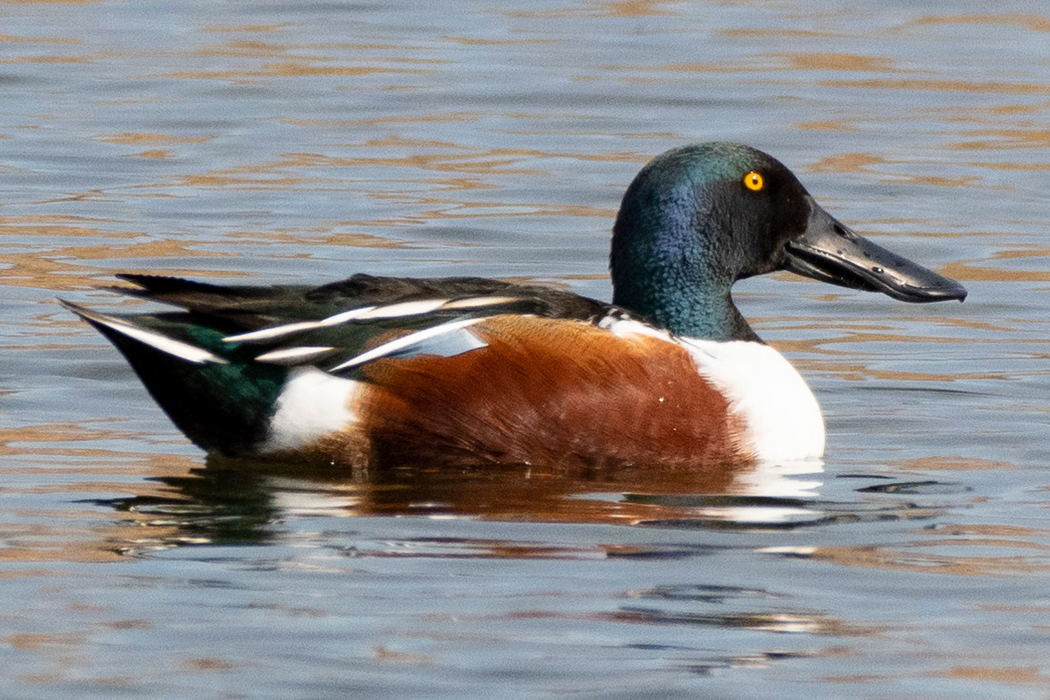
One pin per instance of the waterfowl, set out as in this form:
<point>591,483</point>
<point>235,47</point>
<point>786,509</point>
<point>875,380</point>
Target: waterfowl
<point>373,371</point>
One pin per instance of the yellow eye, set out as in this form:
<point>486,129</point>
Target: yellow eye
<point>754,181</point>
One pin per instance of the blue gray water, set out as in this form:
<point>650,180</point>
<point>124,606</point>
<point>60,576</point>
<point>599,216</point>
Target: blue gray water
<point>292,142</point>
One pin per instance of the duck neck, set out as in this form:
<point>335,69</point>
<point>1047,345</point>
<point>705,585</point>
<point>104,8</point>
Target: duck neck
<point>667,269</point>
<point>694,310</point>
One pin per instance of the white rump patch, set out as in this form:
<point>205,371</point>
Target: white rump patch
<point>312,405</point>
<point>782,418</point>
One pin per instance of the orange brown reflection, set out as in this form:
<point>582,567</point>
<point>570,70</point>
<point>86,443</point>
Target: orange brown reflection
<point>61,266</point>
<point>914,559</point>
<point>235,500</point>
<point>64,459</point>
<point>300,68</point>
<point>13,39</point>
<point>1006,139</point>
<point>624,495</point>
<point>997,674</point>
<point>839,62</point>
<point>970,272</point>
<point>1033,22</point>
<point>636,8</point>
<point>172,501</point>
<point>151,139</point>
<point>932,85</point>
<point>457,169</point>
<point>318,236</point>
<point>865,162</point>
<point>952,463</point>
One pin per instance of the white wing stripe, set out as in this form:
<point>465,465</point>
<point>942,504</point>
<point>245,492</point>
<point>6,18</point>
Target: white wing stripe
<point>270,333</point>
<point>474,302</point>
<point>405,341</point>
<point>293,355</point>
<point>408,308</point>
<point>367,313</point>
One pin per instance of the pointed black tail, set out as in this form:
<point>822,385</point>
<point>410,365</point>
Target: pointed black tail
<point>210,389</point>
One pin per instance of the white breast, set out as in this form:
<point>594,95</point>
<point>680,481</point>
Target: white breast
<point>781,415</point>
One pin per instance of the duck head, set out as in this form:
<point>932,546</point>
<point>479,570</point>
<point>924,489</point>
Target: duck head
<point>698,218</point>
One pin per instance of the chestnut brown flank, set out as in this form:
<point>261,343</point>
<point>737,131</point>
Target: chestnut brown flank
<point>572,395</point>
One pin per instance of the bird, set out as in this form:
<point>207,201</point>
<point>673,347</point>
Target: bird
<point>374,372</point>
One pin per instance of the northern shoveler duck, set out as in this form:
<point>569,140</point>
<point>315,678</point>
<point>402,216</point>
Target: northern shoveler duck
<point>460,371</point>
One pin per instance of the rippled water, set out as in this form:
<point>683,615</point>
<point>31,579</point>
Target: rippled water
<point>290,142</point>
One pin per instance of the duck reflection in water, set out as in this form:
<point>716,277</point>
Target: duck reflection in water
<point>236,501</point>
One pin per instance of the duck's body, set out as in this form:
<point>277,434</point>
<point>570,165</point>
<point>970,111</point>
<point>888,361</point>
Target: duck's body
<point>376,371</point>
